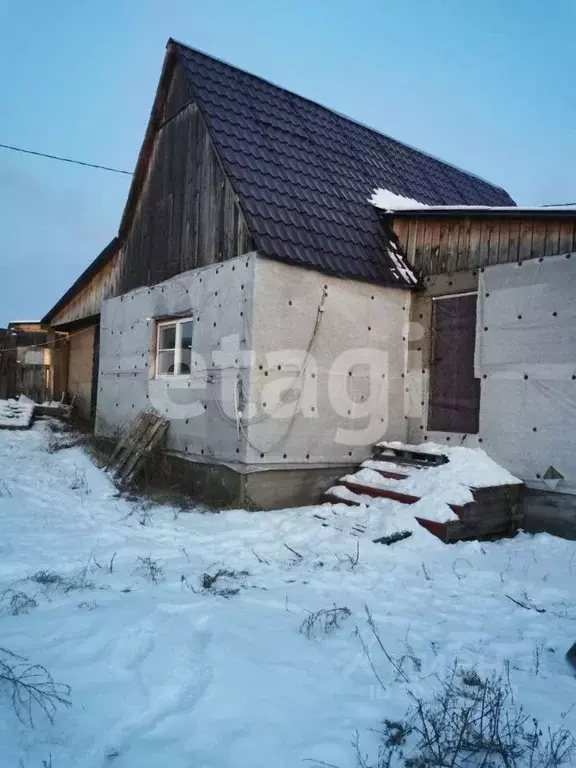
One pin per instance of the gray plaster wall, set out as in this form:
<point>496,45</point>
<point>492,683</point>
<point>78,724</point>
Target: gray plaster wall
<point>328,379</point>
<point>202,406</point>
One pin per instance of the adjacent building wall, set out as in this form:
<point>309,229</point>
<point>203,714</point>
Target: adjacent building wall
<point>328,376</point>
<point>80,370</point>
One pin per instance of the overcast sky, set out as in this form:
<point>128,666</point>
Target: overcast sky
<point>485,84</point>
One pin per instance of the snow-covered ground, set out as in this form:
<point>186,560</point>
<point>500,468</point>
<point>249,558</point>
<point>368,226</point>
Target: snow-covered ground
<point>165,671</point>
<point>16,414</point>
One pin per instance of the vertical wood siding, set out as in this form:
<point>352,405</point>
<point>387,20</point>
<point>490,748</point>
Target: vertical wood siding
<point>443,245</point>
<point>88,300</point>
<point>187,215</point>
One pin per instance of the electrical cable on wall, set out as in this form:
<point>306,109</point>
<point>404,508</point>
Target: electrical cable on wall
<point>267,414</point>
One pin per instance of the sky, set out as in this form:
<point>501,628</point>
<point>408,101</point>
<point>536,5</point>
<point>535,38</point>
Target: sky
<point>487,85</point>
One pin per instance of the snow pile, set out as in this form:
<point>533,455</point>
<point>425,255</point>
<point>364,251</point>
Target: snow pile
<point>437,486</point>
<point>16,414</point>
<point>169,668</point>
<point>390,201</point>
<point>469,466</point>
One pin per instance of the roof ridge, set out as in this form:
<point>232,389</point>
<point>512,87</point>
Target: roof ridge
<point>333,111</point>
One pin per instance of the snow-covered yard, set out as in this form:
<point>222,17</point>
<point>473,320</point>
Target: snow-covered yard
<point>166,670</point>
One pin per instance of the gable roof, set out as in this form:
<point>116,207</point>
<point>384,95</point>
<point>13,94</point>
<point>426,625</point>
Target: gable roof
<point>304,174</point>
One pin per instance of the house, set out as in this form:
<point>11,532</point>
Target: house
<point>26,361</point>
<point>280,319</point>
<point>75,319</point>
<point>5,355</point>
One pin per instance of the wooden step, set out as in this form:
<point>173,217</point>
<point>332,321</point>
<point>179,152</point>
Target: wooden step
<point>410,456</point>
<point>332,498</point>
<point>403,461</point>
<point>386,493</point>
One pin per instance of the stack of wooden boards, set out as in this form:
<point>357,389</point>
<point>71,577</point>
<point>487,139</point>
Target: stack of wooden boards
<point>147,432</point>
<point>492,512</point>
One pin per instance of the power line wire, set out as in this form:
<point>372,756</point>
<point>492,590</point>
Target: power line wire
<point>65,159</point>
<point>557,205</point>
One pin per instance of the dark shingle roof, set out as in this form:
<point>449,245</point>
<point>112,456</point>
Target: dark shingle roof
<point>304,173</point>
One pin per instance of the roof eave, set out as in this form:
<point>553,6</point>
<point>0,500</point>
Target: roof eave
<point>506,212</point>
<point>103,258</point>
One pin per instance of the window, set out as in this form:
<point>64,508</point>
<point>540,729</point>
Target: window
<point>174,348</point>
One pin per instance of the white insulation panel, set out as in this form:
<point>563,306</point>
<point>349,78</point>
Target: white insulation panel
<point>338,347</point>
<point>201,406</point>
<point>526,359</point>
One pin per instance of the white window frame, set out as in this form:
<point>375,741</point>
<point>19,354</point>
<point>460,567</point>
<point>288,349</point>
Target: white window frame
<point>177,349</point>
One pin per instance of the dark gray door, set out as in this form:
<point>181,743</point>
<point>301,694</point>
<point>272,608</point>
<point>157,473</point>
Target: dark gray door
<point>454,391</point>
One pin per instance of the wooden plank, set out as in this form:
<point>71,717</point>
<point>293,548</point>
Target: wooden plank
<point>436,529</point>
<point>567,243</point>
<point>493,237</point>
<point>385,493</point>
<point>525,247</point>
<point>429,231</point>
<point>463,245</point>
<point>124,456</point>
<point>391,475</point>
<point>483,244</point>
<point>440,258</point>
<point>331,498</point>
<point>401,229</point>
<point>504,242</point>
<point>451,254</point>
<point>155,435</point>
<point>538,239</point>
<point>473,259</point>
<point>136,431</point>
<point>187,214</point>
<point>419,247</point>
<point>552,244</point>
<point>121,444</point>
<point>411,244</point>
<point>513,240</point>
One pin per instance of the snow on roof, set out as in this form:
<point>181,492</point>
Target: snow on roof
<point>390,201</point>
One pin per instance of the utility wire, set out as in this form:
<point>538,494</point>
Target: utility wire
<point>558,205</point>
<point>65,159</point>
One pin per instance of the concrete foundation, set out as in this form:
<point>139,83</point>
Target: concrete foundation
<point>280,488</point>
<point>218,486</point>
<point>549,512</point>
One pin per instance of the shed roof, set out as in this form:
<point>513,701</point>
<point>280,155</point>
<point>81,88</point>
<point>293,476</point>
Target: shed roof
<point>93,268</point>
<point>304,173</point>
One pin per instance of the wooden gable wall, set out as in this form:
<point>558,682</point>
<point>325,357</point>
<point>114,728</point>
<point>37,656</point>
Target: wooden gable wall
<point>437,246</point>
<point>187,214</point>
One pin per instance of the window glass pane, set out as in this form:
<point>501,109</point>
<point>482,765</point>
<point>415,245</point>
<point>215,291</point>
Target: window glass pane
<point>165,363</point>
<point>185,361</point>
<point>186,338</point>
<point>167,337</point>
